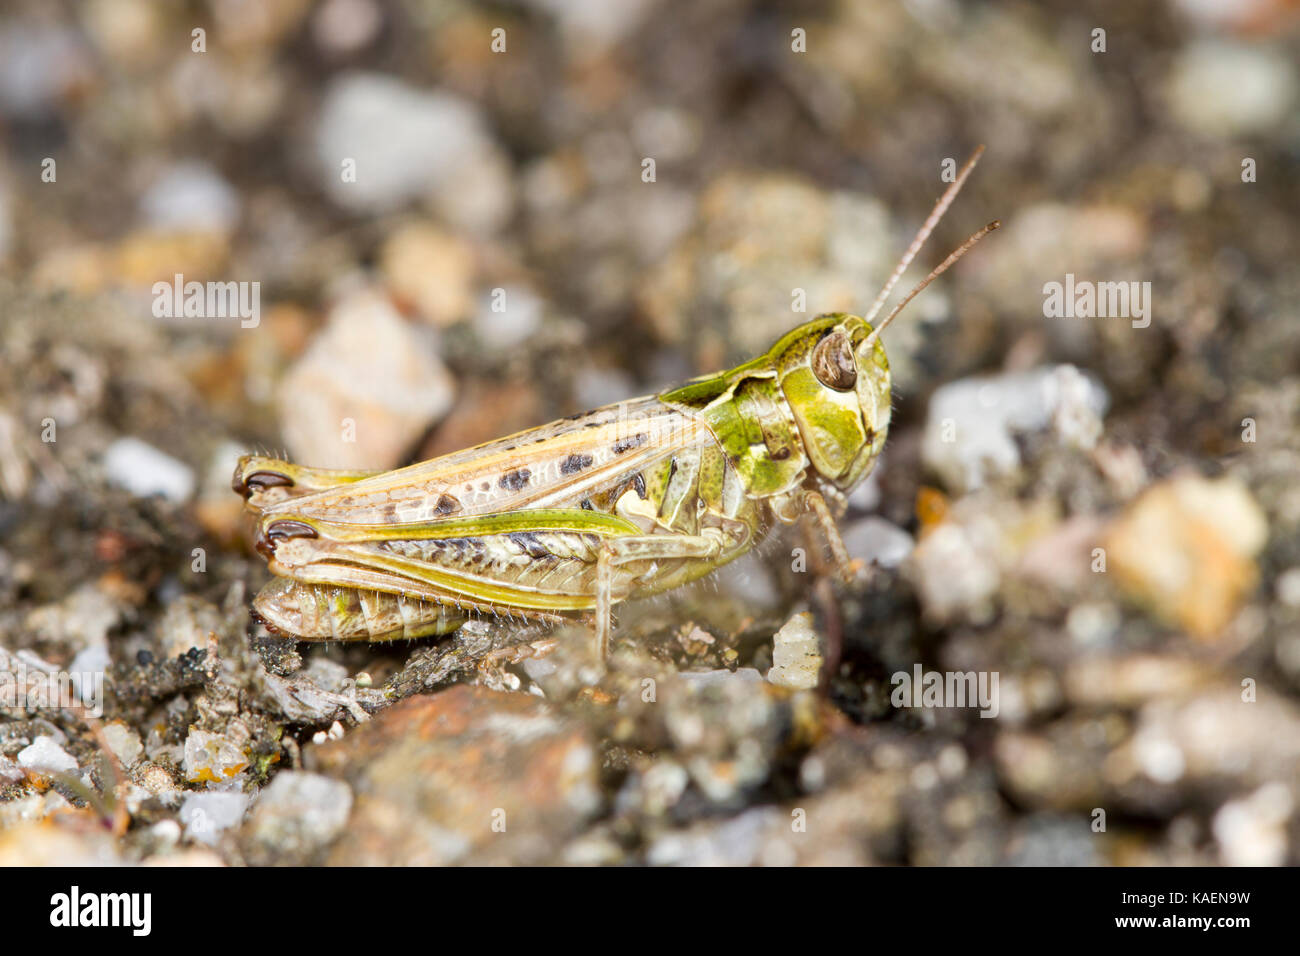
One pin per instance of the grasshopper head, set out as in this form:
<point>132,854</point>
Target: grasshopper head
<point>835,378</point>
<point>834,373</point>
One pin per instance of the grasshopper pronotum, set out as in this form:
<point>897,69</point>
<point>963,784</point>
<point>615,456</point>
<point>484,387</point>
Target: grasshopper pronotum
<point>575,516</point>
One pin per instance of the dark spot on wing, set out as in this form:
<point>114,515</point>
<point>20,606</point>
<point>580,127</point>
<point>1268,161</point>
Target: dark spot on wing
<point>514,480</point>
<point>530,544</point>
<point>575,463</point>
<point>446,505</point>
<point>486,486</point>
<point>627,444</point>
<point>587,505</point>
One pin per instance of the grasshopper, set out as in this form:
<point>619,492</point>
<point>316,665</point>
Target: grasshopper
<point>579,515</point>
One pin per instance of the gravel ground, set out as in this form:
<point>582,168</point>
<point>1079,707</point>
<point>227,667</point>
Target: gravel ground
<point>464,220</point>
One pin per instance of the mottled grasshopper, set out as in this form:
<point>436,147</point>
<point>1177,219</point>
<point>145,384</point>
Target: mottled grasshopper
<point>578,515</point>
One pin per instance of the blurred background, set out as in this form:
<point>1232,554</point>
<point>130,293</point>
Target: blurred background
<point>458,220</point>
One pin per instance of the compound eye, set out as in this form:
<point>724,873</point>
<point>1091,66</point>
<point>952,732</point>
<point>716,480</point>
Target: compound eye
<point>832,362</point>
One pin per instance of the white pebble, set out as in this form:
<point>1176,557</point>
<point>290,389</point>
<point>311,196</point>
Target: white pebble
<point>145,471</point>
<point>1220,88</point>
<point>46,756</point>
<point>407,144</point>
<point>971,426</point>
<point>206,814</point>
<point>1252,831</point>
<point>796,654</point>
<point>190,196</point>
<point>878,541</point>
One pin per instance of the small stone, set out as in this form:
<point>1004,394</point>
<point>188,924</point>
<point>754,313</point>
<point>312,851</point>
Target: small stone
<point>662,786</point>
<point>739,841</point>
<point>796,654</point>
<point>956,571</point>
<point>1212,735</point>
<point>129,32</point>
<point>157,780</point>
<point>404,144</point>
<point>1186,550</point>
<point>142,256</point>
<point>186,623</point>
<point>145,471</point>
<point>591,27</point>
<point>82,619</point>
<point>41,67</point>
<point>341,27</point>
<point>326,674</point>
<point>465,775</point>
<point>1223,89</point>
<point>211,758</point>
<point>1130,680</point>
<point>538,668</point>
<point>32,844</point>
<point>971,424</point>
<point>508,316</point>
<point>124,742</point>
<point>1042,840</point>
<point>877,541</point>
<point>164,835</point>
<point>432,270</point>
<point>190,196</point>
<point>298,814</point>
<point>365,391</point>
<point>1253,831</point>
<point>44,755</point>
<point>726,729</point>
<point>10,772</point>
<point>1061,559</point>
<point>205,815</point>
<point>87,673</point>
<point>1288,587</point>
<point>1093,623</point>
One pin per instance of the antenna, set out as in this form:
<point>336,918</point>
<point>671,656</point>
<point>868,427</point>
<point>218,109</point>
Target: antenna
<point>924,233</point>
<point>939,270</point>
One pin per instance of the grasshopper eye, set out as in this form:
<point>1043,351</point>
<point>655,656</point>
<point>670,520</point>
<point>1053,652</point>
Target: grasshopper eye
<point>832,362</point>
